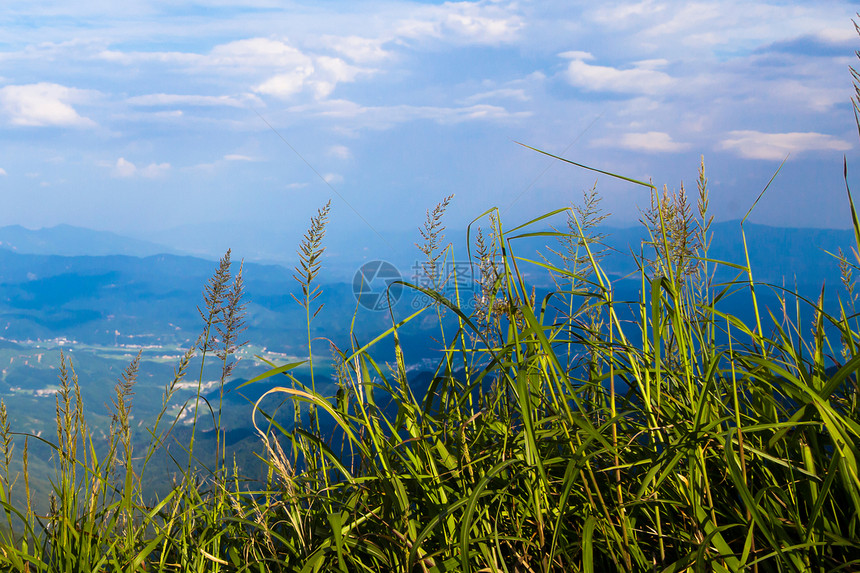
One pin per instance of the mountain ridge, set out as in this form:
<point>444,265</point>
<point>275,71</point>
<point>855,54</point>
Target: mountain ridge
<point>70,240</point>
<point>776,253</point>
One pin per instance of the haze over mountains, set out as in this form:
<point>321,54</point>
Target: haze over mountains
<point>102,288</point>
<point>775,252</point>
<point>100,297</point>
<point>67,240</point>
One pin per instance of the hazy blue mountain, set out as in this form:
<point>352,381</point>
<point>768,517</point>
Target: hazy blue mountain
<point>776,253</point>
<point>781,252</point>
<point>107,299</point>
<point>71,241</point>
<point>278,245</point>
<point>119,299</point>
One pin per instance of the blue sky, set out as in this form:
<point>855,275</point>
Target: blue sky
<point>143,116</point>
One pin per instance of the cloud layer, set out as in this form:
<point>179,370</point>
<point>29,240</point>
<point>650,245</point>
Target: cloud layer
<point>778,146</point>
<point>125,168</point>
<point>245,100</point>
<point>44,104</point>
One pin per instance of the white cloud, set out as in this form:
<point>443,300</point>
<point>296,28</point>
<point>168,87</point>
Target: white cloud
<point>384,117</point>
<point>333,178</point>
<point>286,84</point>
<point>418,28</point>
<point>257,53</point>
<point>758,145</point>
<point>338,70</point>
<point>481,28</point>
<point>804,94</point>
<point>281,69</point>
<point>340,151</point>
<point>294,70</point>
<point>504,93</point>
<point>470,113</point>
<point>483,22</point>
<point>248,56</point>
<point>689,16</point>
<point>131,58</point>
<point>842,35</point>
<point>456,63</point>
<point>44,104</point>
<point>648,142</point>
<point>651,64</point>
<point>124,168</point>
<point>219,163</point>
<point>177,99</point>
<point>619,12</point>
<point>338,108</point>
<point>266,66</point>
<point>357,49</point>
<point>577,55</point>
<point>2,171</point>
<point>322,75</point>
<point>641,78</point>
<point>701,28</point>
<point>154,170</point>
<point>332,71</point>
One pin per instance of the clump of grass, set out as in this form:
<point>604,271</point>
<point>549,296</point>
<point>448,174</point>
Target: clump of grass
<point>488,280</point>
<point>685,440</point>
<point>703,445</point>
<point>582,230</point>
<point>213,298</point>
<point>310,254</point>
<point>432,233</point>
<point>100,516</point>
<point>700,444</point>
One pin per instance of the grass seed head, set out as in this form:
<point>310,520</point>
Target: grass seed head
<point>310,255</point>
<point>433,234</point>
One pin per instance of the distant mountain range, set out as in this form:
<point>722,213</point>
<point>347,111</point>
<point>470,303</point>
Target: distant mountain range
<point>67,240</point>
<point>118,299</point>
<point>96,291</point>
<point>72,278</point>
<point>776,254</point>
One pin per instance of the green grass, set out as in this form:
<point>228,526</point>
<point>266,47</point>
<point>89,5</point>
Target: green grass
<point>570,431</point>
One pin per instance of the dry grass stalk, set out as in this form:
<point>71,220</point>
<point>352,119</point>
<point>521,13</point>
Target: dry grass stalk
<point>582,236</point>
<point>310,255</point>
<point>6,447</point>
<point>432,232</point>
<point>488,279</point>
<point>120,423</point>
<point>231,324</point>
<point>674,235</point>
<point>213,297</point>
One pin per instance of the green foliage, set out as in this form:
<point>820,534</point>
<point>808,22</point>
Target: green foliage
<point>564,437</point>
<point>568,432</point>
